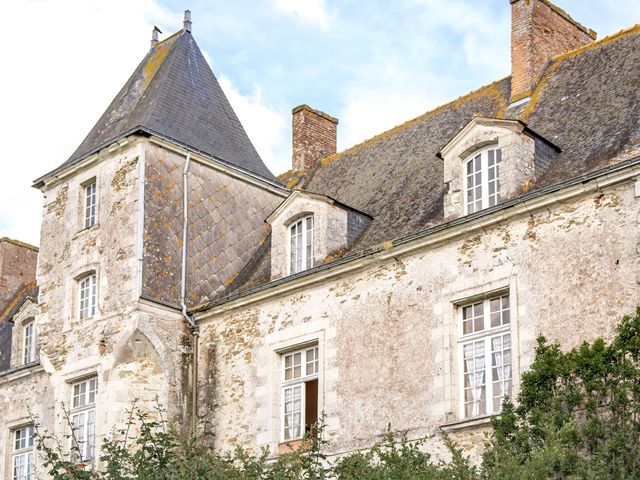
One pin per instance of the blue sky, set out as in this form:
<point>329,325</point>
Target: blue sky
<point>373,64</point>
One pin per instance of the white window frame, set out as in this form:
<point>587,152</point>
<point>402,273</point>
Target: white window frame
<point>87,296</point>
<point>23,453</point>
<point>487,169</point>
<point>306,375</point>
<point>306,240</point>
<point>483,339</point>
<point>90,204</point>
<point>82,414</point>
<point>29,342</point>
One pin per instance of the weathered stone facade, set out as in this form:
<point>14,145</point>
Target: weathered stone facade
<point>396,259</point>
<point>387,329</point>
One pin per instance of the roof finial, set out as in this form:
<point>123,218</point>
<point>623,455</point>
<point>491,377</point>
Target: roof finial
<point>154,36</point>
<point>187,20</point>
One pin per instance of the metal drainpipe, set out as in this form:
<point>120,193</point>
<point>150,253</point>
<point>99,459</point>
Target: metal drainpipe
<point>183,294</point>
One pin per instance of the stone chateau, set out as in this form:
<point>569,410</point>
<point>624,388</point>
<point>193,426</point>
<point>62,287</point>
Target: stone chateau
<point>403,281</point>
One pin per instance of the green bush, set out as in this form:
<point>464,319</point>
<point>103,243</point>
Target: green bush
<point>577,416</point>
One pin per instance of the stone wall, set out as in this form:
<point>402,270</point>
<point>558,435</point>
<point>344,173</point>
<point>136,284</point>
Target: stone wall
<point>139,352</point>
<point>388,333</point>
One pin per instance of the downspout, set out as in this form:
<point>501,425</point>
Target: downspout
<point>183,294</point>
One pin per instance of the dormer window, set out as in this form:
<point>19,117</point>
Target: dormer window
<point>482,179</point>
<point>301,241</point>
<point>29,342</point>
<point>491,161</point>
<point>308,229</point>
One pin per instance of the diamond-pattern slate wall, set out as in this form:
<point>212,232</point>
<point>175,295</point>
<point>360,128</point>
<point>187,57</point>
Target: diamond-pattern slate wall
<point>226,227</point>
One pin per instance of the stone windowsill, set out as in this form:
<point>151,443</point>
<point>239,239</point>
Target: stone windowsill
<point>20,371</point>
<point>467,423</point>
<point>86,230</point>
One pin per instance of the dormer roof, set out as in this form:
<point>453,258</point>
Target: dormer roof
<point>174,94</point>
<point>507,124</point>
<point>298,193</point>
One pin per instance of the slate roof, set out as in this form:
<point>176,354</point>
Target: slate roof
<point>28,291</point>
<point>587,103</point>
<point>174,94</point>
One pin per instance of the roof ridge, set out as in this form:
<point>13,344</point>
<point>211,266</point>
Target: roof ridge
<point>19,243</point>
<point>182,30</point>
<point>18,299</point>
<point>589,31</point>
<point>556,61</point>
<point>597,43</point>
<point>410,122</point>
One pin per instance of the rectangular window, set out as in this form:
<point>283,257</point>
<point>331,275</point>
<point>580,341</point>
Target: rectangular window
<point>301,244</point>
<point>87,297</point>
<point>90,205</point>
<point>485,353</point>
<point>23,454</point>
<point>83,418</point>
<point>29,347</point>
<point>300,371</point>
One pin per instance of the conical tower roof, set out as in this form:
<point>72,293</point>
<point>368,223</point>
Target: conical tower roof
<point>174,94</point>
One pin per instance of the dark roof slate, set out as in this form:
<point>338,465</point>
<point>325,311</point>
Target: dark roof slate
<point>28,291</point>
<point>587,104</point>
<point>173,93</point>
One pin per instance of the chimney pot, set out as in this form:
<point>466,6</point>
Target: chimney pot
<point>314,135</point>
<point>187,21</point>
<point>539,32</point>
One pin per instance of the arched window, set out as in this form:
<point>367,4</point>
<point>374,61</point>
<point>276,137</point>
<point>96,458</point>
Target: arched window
<point>482,179</point>
<point>301,244</point>
<point>29,342</point>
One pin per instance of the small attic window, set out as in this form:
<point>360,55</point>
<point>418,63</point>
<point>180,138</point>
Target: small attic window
<point>301,245</point>
<point>482,179</point>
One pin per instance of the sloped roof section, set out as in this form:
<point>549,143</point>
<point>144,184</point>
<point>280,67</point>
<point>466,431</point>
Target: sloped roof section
<point>173,93</point>
<point>397,177</point>
<point>587,104</point>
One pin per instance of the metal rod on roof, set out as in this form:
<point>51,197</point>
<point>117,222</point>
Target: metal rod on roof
<point>154,36</point>
<point>187,21</point>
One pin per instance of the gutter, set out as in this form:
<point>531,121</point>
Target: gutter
<point>431,235</point>
<point>140,232</point>
<point>183,292</point>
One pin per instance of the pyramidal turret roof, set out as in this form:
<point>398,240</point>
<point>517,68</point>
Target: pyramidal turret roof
<point>174,94</point>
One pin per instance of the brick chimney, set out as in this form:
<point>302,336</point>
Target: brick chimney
<point>314,137</point>
<point>539,32</point>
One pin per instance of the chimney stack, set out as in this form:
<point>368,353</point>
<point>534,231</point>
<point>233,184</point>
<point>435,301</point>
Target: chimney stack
<point>539,32</point>
<point>154,36</point>
<point>314,137</point>
<point>187,21</point>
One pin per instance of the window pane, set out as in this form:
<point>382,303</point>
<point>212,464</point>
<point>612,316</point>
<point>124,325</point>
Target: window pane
<point>501,369</point>
<point>474,379</point>
<point>499,308</point>
<point>292,412</point>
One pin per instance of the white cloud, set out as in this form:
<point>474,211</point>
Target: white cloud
<point>311,10</point>
<point>66,60</point>
<point>266,127</point>
<point>370,111</point>
<point>398,85</point>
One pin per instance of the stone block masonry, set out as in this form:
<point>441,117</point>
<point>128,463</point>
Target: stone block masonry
<point>539,32</point>
<point>314,137</point>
